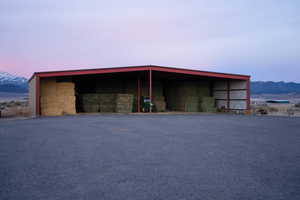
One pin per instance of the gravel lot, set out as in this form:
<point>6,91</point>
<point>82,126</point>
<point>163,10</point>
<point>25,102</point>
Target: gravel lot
<point>150,157</point>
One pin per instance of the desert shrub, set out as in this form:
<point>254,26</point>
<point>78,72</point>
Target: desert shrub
<point>273,109</point>
<point>290,111</point>
<point>262,111</point>
<point>259,110</point>
<point>15,111</point>
<point>18,103</point>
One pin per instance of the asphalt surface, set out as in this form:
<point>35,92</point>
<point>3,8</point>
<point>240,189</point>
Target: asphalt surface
<point>176,157</point>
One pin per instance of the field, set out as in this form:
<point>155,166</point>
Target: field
<point>258,105</point>
<point>13,105</point>
<point>150,157</point>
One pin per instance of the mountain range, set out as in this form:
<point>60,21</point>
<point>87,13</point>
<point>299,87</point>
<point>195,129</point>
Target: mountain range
<point>270,87</point>
<point>12,83</point>
<point>16,84</point>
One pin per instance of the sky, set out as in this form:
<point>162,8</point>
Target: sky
<point>260,38</point>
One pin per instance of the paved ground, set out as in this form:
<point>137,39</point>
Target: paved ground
<point>150,157</point>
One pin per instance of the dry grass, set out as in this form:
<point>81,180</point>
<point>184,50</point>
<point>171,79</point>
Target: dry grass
<point>276,109</point>
<point>14,109</point>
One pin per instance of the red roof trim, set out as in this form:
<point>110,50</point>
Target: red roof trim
<point>200,73</point>
<point>140,68</point>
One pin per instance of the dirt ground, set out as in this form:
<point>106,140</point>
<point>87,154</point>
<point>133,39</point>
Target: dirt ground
<point>10,109</point>
<point>18,107</point>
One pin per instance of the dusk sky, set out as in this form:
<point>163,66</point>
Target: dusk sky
<point>256,37</point>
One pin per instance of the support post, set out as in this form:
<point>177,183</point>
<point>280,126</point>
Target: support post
<point>139,94</point>
<point>150,89</point>
<point>38,96</point>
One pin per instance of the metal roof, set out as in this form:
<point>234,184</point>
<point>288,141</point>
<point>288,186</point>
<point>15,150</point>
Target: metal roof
<point>140,68</point>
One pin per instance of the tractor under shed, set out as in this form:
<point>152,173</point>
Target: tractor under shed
<point>137,89</point>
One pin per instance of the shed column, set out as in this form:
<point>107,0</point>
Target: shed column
<point>139,94</point>
<point>150,89</point>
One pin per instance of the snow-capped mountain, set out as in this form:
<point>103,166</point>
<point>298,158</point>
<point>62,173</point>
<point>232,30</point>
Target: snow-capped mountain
<point>12,83</point>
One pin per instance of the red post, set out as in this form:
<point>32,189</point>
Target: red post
<point>150,89</point>
<point>139,94</point>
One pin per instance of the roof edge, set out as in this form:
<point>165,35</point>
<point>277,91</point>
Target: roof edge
<point>139,68</point>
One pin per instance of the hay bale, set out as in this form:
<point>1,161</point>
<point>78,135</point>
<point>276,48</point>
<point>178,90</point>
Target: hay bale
<point>67,104</point>
<point>57,98</point>
<point>90,102</point>
<point>90,108</point>
<point>50,106</point>
<point>159,103</point>
<point>191,103</point>
<point>107,102</point>
<point>208,104</point>
<point>48,87</point>
<point>124,103</point>
<point>65,88</point>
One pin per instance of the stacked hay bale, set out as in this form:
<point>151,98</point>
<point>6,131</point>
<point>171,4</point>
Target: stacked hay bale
<point>208,104</point>
<point>191,103</point>
<point>49,105</point>
<point>57,98</point>
<point>159,103</point>
<point>183,96</point>
<point>90,102</point>
<point>132,89</point>
<point>158,98</point>
<point>65,94</point>
<point>124,103</point>
<point>187,96</point>
<point>107,102</point>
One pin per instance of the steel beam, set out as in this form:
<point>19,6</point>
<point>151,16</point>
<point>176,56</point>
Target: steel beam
<point>150,88</point>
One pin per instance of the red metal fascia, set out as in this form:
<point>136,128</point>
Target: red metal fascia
<point>199,73</point>
<point>142,68</point>
<point>92,71</point>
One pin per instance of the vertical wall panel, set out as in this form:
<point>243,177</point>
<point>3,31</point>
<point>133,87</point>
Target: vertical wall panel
<point>221,104</point>
<point>239,105</point>
<point>236,84</point>
<point>220,94</point>
<point>32,96</point>
<point>220,85</point>
<point>237,94</point>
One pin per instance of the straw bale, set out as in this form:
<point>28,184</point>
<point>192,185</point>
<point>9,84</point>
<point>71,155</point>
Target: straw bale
<point>90,108</point>
<point>51,112</point>
<point>48,87</point>
<point>65,88</point>
<point>208,104</point>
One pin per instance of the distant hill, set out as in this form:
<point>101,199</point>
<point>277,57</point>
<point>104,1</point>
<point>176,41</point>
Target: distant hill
<point>12,83</point>
<point>269,87</point>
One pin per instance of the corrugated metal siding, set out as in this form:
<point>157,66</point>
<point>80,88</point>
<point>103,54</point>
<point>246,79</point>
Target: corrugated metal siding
<point>231,94</point>
<point>32,96</point>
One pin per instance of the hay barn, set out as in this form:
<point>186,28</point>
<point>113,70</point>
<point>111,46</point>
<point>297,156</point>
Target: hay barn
<point>137,89</point>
